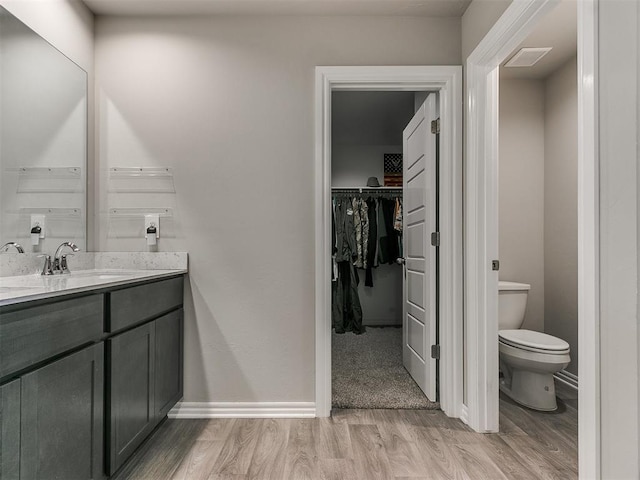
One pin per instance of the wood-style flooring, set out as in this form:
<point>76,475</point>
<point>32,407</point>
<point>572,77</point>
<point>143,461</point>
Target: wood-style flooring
<point>363,445</point>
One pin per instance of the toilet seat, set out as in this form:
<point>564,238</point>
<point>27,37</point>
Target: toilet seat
<point>533,341</point>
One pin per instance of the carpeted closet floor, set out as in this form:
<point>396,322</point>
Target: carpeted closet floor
<point>367,372</point>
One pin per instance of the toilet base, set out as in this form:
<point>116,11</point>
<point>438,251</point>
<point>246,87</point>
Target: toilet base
<point>531,389</point>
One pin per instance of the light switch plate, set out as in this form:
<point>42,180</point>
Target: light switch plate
<point>38,220</point>
<point>152,219</point>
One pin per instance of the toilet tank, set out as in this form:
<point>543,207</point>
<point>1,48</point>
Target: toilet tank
<point>512,303</point>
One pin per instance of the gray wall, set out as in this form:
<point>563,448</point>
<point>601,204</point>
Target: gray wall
<point>365,126</point>
<point>228,103</point>
<point>521,191</point>
<point>561,207</point>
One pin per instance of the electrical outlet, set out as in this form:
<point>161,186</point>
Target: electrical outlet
<point>38,220</point>
<point>152,219</point>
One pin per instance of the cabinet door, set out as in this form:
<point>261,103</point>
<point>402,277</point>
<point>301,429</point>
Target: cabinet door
<point>169,354</point>
<point>62,418</point>
<point>130,373</point>
<point>10,431</point>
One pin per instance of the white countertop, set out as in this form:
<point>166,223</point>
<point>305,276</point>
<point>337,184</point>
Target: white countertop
<point>24,288</point>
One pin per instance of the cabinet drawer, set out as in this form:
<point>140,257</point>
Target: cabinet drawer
<point>31,335</point>
<point>144,302</point>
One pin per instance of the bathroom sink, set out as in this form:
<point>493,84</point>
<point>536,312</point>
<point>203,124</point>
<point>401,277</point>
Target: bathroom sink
<point>14,289</point>
<point>101,274</point>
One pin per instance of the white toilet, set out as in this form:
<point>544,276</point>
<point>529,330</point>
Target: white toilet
<point>528,359</point>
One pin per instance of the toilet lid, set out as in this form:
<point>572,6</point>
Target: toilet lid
<point>533,340</point>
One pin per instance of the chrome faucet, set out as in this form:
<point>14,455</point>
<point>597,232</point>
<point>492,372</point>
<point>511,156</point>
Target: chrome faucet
<point>15,245</point>
<point>60,261</point>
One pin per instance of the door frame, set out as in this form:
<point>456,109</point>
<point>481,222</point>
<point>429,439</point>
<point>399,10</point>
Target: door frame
<point>481,221</point>
<point>447,81</point>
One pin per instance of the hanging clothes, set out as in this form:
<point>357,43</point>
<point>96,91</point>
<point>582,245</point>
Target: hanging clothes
<point>372,244</point>
<point>383,250</point>
<point>345,242</point>
<point>397,223</point>
<point>391,242</point>
<point>366,232</point>
<point>346,311</point>
<point>361,223</point>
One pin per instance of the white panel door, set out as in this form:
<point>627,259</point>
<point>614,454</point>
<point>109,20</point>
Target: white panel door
<point>419,221</point>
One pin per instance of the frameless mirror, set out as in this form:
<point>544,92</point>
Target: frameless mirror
<point>43,146</point>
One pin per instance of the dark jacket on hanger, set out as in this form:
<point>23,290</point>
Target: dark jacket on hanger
<point>389,243</point>
<point>371,246</point>
<point>345,246</point>
<point>346,311</point>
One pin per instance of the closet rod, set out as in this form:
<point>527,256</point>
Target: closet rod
<point>366,190</point>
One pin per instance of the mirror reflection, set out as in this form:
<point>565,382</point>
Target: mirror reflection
<point>43,150</point>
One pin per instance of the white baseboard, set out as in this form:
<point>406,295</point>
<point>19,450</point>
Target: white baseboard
<point>243,410</point>
<point>567,378</point>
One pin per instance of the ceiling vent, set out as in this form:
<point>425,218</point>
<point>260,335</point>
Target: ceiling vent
<point>527,57</point>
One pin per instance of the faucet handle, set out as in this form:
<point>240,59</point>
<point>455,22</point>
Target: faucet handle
<point>64,267</point>
<point>46,268</point>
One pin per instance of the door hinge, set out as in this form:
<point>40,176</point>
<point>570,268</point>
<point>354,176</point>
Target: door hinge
<point>435,352</point>
<point>435,126</point>
<point>435,239</point>
<point>495,265</point>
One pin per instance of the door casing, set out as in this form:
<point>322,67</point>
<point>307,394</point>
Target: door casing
<point>447,81</point>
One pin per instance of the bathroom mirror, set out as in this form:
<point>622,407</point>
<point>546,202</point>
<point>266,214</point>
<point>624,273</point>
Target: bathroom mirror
<point>43,141</point>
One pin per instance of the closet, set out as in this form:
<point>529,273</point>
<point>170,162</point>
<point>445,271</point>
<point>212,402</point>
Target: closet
<point>367,290</point>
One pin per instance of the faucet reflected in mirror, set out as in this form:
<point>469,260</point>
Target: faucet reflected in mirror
<point>6,246</point>
<point>59,264</point>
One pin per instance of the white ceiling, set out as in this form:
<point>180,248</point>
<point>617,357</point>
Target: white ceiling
<point>432,8</point>
<point>558,29</point>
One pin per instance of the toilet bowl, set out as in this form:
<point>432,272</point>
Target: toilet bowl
<point>528,359</point>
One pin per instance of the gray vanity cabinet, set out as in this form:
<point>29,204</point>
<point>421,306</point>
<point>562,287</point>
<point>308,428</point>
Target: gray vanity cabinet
<point>10,430</point>
<point>145,382</point>
<point>62,418</point>
<point>84,379</point>
<point>144,363</point>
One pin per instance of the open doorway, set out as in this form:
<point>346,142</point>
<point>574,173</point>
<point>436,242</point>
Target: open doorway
<point>538,232</point>
<point>384,281</point>
<point>446,81</point>
<point>538,190</point>
<point>481,192</point>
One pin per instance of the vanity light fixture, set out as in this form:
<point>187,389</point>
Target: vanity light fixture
<point>527,57</point>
